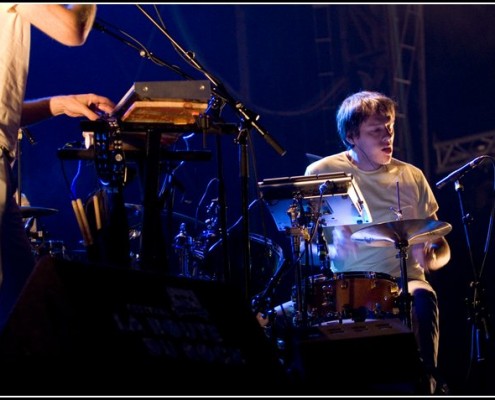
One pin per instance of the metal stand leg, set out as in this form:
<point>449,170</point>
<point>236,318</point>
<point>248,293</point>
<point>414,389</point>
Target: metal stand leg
<point>405,296</point>
<point>153,255</point>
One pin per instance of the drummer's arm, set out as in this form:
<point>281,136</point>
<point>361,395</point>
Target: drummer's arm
<point>433,254</point>
<point>342,245</point>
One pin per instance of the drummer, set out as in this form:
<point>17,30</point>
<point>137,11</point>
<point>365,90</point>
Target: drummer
<point>393,190</point>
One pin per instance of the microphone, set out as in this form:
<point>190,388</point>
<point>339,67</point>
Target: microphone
<point>459,173</point>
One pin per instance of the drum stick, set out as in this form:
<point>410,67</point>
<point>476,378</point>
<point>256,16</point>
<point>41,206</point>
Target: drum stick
<point>84,220</point>
<point>97,212</point>
<point>79,221</point>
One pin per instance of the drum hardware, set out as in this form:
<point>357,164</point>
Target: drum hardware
<point>37,236</point>
<point>189,249</point>
<point>262,302</point>
<point>334,197</point>
<point>322,245</point>
<point>297,231</point>
<point>41,245</point>
<point>53,248</point>
<point>402,234</point>
<point>183,245</point>
<point>310,201</point>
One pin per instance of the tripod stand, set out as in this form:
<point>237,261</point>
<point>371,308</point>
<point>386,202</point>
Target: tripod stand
<point>477,316</point>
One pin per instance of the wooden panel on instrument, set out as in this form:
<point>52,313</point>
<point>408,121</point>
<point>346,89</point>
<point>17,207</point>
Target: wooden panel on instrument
<point>175,112</point>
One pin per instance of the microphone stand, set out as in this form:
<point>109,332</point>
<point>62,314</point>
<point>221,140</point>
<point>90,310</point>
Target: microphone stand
<point>99,25</point>
<point>477,317</point>
<point>244,176</point>
<point>19,168</point>
<point>152,252</point>
<point>249,120</point>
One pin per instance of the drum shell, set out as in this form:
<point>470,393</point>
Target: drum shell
<point>355,295</point>
<point>373,291</point>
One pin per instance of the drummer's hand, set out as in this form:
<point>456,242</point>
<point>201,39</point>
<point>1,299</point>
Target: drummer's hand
<point>343,246</point>
<point>431,255</point>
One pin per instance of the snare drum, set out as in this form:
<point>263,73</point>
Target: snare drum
<point>352,295</point>
<point>360,295</point>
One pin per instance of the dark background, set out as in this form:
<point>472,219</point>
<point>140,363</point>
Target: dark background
<point>278,81</point>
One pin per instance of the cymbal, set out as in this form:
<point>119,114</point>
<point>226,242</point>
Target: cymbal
<point>394,232</point>
<point>28,212</point>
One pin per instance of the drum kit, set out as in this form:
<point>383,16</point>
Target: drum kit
<point>356,295</point>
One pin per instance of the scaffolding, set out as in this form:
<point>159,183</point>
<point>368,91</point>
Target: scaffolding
<point>377,47</point>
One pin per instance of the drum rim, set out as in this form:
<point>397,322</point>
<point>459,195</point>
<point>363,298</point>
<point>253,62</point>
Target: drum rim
<point>363,274</point>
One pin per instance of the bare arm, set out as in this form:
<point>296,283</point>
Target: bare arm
<point>68,24</point>
<point>89,105</point>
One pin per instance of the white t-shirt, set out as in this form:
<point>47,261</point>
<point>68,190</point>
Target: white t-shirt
<point>15,40</point>
<point>382,190</point>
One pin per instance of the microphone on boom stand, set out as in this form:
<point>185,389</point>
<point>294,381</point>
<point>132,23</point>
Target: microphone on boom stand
<point>459,173</point>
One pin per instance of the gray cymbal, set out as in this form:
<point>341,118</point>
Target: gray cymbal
<point>409,231</point>
<point>28,212</point>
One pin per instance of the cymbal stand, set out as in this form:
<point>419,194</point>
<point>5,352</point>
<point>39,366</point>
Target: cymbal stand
<point>183,245</point>
<point>296,231</point>
<point>262,302</point>
<point>405,297</point>
<point>402,245</point>
<point>241,140</point>
<point>153,254</point>
<point>215,106</point>
<point>22,132</point>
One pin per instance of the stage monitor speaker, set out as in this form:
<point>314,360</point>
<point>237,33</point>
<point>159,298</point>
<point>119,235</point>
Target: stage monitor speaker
<point>84,329</point>
<point>376,357</point>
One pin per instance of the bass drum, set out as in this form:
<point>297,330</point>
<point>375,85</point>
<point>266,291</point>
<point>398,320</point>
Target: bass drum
<point>266,258</point>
